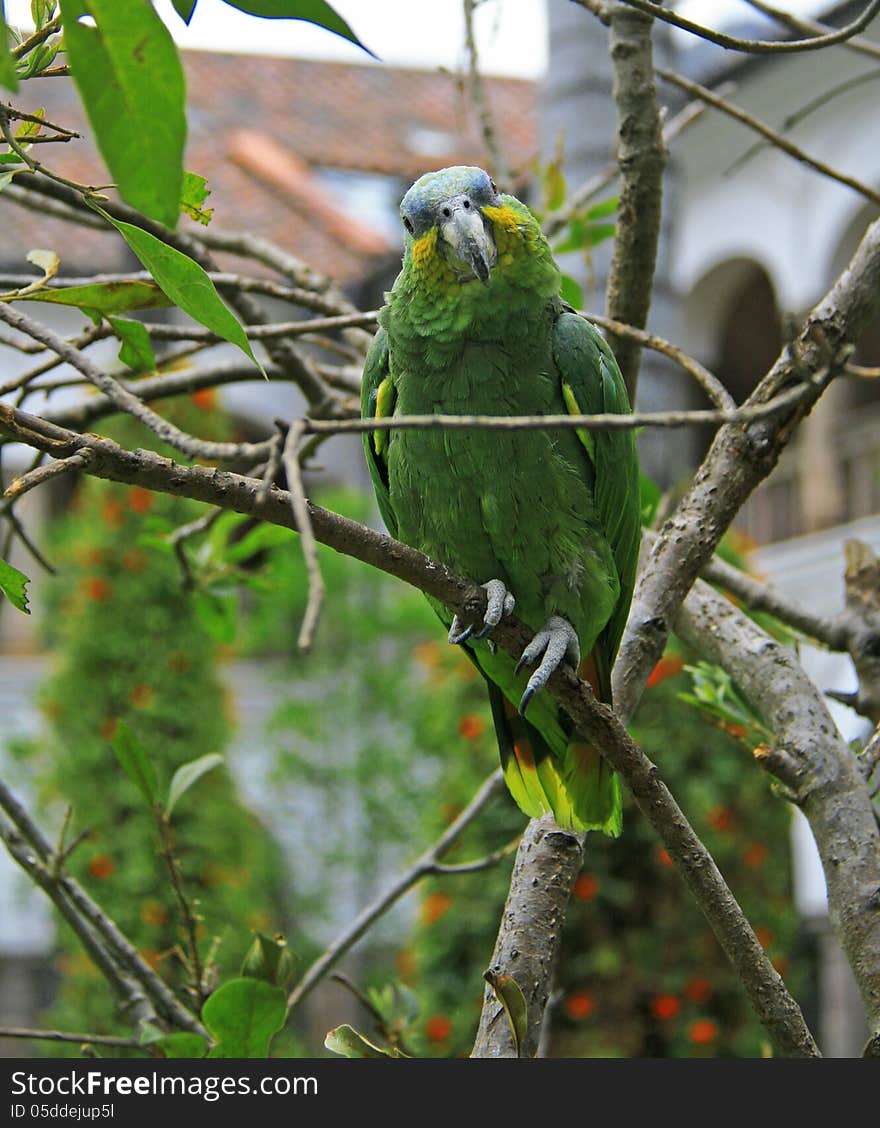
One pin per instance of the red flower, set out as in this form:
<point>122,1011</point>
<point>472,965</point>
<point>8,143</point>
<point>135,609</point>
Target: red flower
<point>579,1005</point>
<point>96,588</point>
<point>720,818</point>
<point>108,728</point>
<point>586,887</point>
<point>205,398</point>
<point>112,514</point>
<point>764,937</point>
<point>698,989</point>
<point>434,906</point>
<point>703,1031</point>
<point>471,727</point>
<point>141,696</point>
<point>438,1028</point>
<point>755,855</point>
<point>139,499</point>
<point>134,560</point>
<point>663,856</point>
<point>666,668</point>
<point>665,1007</point>
<point>101,866</point>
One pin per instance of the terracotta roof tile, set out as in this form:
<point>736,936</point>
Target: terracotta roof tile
<point>297,116</point>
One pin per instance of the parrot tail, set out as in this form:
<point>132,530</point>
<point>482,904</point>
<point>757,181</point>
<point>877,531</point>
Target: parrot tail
<point>579,788</point>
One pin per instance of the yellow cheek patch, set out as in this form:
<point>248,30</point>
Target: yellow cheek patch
<point>507,229</point>
<point>424,249</point>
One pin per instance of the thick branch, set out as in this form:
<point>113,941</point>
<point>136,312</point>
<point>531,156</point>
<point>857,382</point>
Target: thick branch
<point>641,158</point>
<point>738,460</point>
<point>814,763</point>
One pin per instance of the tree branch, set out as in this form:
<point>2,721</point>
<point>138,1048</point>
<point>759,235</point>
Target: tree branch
<point>816,766</point>
<point>759,46</point>
<point>738,460</point>
<point>641,159</point>
<point>428,863</point>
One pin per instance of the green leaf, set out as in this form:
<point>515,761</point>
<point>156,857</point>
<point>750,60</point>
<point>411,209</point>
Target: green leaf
<point>195,192</point>
<point>554,185</point>
<point>42,11</point>
<point>269,958</point>
<point>185,9</point>
<point>312,11</point>
<point>131,82</point>
<point>188,774</point>
<point>182,1045</point>
<point>135,762</point>
<point>40,58</point>
<point>571,292</point>
<point>243,1016</point>
<point>185,283</point>
<point>14,584</point>
<point>599,232</point>
<point>510,996</point>
<point>218,614</point>
<point>8,75</point>
<point>137,348</point>
<point>574,239</point>
<point>106,297</point>
<point>603,209</point>
<point>345,1041</point>
<point>649,498</point>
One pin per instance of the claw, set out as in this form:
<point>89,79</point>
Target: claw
<point>553,643</point>
<point>499,604</point>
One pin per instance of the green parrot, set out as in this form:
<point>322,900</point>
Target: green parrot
<point>546,520</point>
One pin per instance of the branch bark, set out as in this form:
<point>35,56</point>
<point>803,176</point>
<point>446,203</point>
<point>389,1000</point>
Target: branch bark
<point>641,158</point>
<point>738,460</point>
<point>817,767</point>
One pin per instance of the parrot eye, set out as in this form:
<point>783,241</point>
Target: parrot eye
<point>407,223</point>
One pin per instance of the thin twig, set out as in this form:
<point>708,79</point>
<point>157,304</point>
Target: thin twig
<point>597,183</point>
<point>125,400</point>
<point>813,28</point>
<point>603,422</point>
<point>87,918</point>
<point>25,1032</point>
<point>489,790</point>
<point>190,919</point>
<point>38,37</point>
<point>710,384</point>
<point>19,486</point>
<point>481,101</point>
<point>758,46</point>
<point>299,505</point>
<point>772,135</point>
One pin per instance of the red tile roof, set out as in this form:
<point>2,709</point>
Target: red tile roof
<point>257,128</point>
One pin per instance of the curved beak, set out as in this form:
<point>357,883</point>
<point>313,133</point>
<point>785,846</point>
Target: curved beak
<point>469,238</point>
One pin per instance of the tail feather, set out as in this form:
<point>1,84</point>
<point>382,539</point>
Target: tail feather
<point>578,789</point>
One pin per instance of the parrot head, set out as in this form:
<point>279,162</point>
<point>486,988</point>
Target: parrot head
<point>445,213</point>
<point>470,253</point>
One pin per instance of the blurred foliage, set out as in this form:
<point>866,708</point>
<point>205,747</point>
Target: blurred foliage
<point>130,647</point>
<point>640,972</point>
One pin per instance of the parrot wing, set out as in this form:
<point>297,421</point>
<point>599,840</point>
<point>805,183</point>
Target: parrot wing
<point>592,385</point>
<point>377,402</point>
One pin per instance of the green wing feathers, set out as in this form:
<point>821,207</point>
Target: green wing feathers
<point>377,402</point>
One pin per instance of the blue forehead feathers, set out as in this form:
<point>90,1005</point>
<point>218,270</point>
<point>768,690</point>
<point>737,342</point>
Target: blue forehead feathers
<point>421,202</point>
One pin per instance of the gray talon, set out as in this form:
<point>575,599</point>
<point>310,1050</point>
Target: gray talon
<point>553,643</point>
<point>499,604</point>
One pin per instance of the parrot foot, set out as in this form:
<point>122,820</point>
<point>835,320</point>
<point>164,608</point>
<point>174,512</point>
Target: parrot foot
<point>553,643</point>
<point>499,604</point>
